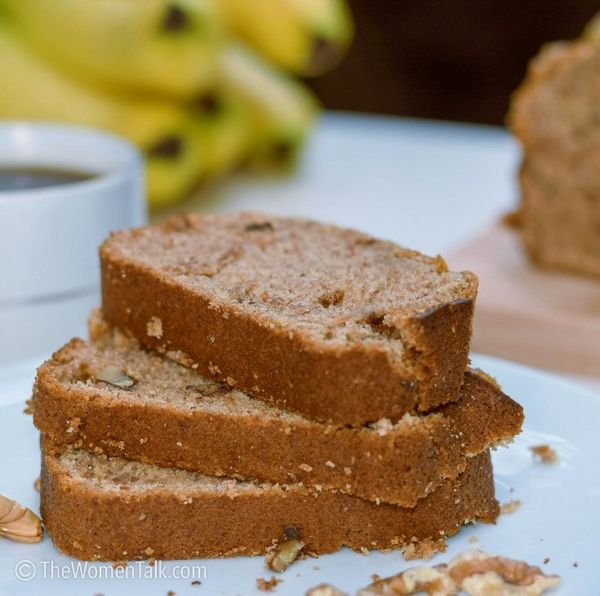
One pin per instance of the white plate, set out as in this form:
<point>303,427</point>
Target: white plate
<point>559,517</point>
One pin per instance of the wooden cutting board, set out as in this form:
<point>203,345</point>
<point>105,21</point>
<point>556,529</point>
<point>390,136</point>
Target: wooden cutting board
<point>546,319</point>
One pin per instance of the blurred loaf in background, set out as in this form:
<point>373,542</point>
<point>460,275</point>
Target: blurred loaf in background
<point>201,86</point>
<point>530,307</point>
<point>556,117</point>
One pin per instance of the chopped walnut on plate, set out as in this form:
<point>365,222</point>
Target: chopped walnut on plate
<point>325,590</point>
<point>545,454</point>
<point>267,585</point>
<point>473,573</point>
<point>510,506</point>
<point>284,554</point>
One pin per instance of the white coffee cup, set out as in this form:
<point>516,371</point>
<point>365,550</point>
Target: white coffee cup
<point>49,236</point>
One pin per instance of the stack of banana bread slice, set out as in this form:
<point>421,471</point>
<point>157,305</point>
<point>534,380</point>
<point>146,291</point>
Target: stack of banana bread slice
<point>251,380</point>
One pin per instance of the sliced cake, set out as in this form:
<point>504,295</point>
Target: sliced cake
<point>101,508</point>
<point>112,396</point>
<point>322,321</point>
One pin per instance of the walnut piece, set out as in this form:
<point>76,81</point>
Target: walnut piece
<point>431,580</point>
<point>476,573</point>
<point>492,583</point>
<point>284,554</point>
<point>545,454</point>
<point>113,375</point>
<point>510,507</point>
<point>205,388</point>
<point>267,585</point>
<point>382,427</point>
<point>154,328</point>
<point>19,523</point>
<point>480,574</point>
<point>325,590</point>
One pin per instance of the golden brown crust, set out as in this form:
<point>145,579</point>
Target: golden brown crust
<point>335,383</point>
<point>395,465</point>
<point>440,339</point>
<point>90,522</point>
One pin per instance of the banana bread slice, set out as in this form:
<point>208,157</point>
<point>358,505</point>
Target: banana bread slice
<point>554,114</point>
<point>326,322</point>
<point>103,508</point>
<point>172,417</point>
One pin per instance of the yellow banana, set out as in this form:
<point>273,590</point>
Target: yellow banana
<point>307,37</point>
<point>223,127</point>
<point>281,110</point>
<point>592,29</point>
<point>32,90</point>
<point>167,47</point>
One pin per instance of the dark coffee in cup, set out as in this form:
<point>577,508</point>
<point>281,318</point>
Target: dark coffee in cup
<point>21,178</point>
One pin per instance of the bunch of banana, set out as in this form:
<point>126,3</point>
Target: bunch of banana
<point>306,37</point>
<point>167,48</point>
<point>171,76</point>
<point>280,109</point>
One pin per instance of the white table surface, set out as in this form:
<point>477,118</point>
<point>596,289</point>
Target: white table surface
<point>427,185</point>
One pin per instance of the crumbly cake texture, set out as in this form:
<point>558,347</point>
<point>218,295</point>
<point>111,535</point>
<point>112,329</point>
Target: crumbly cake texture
<point>326,322</point>
<point>173,417</point>
<point>554,116</point>
<point>95,507</point>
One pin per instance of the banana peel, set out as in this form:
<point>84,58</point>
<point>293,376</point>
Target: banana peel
<point>592,29</point>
